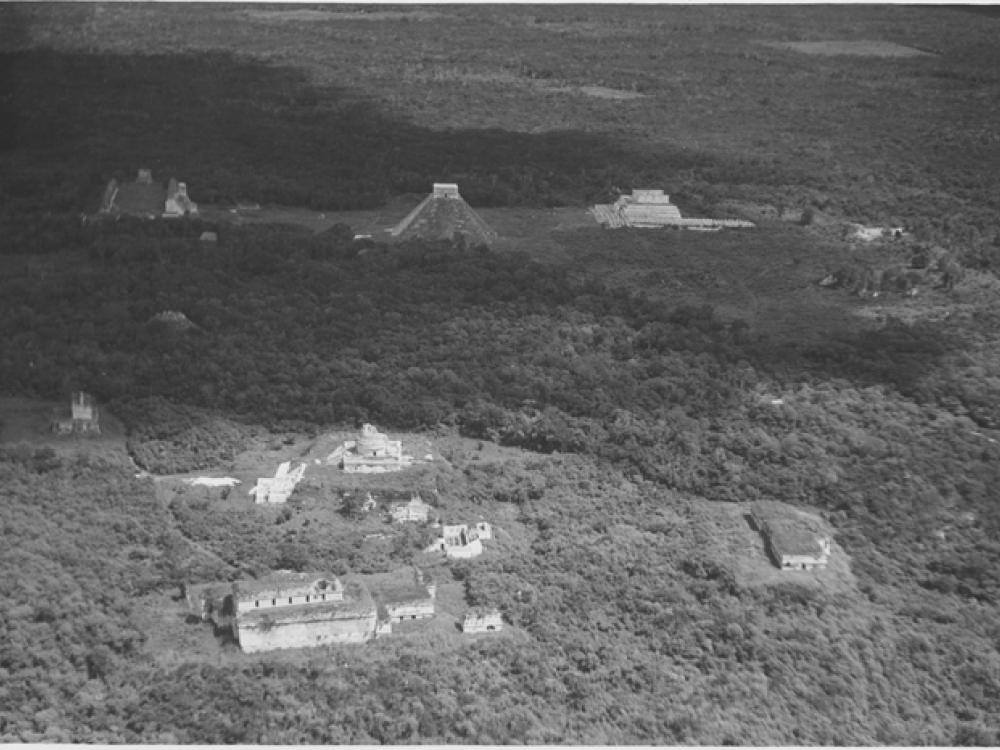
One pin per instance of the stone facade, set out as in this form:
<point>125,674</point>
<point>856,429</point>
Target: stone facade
<point>289,610</point>
<point>462,541</point>
<point>147,199</point>
<point>177,202</point>
<point>482,621</point>
<point>277,489</point>
<point>793,540</point>
<point>444,215</point>
<point>414,511</point>
<point>407,601</point>
<point>82,418</point>
<point>650,208</point>
<point>372,452</point>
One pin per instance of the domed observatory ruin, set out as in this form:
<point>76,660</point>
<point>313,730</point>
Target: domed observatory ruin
<point>373,452</point>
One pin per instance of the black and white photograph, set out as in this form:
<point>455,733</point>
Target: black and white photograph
<point>492,374</point>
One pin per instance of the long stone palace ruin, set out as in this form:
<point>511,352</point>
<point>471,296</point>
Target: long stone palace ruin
<point>295,610</point>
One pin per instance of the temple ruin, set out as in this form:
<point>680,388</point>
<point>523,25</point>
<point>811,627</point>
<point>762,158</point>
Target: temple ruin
<point>288,610</point>
<point>462,541</point>
<point>444,215</point>
<point>415,510</point>
<point>794,540</point>
<point>406,600</point>
<point>82,417</point>
<point>482,621</point>
<point>372,452</point>
<point>277,489</point>
<point>652,209</point>
<point>147,199</point>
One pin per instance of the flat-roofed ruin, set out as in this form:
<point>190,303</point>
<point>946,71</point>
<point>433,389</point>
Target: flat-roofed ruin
<point>648,208</point>
<point>288,610</point>
<point>277,489</point>
<point>794,540</point>
<point>147,199</point>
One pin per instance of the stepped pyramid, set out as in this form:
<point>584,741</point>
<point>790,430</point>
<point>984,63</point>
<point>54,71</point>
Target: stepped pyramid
<point>441,216</point>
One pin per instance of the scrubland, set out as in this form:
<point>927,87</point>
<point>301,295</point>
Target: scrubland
<point>608,399</point>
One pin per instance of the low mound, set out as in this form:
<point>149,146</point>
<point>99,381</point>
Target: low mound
<point>863,47</point>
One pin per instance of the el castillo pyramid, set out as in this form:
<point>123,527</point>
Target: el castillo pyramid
<point>443,215</point>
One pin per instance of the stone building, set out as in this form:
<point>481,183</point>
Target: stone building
<point>277,489</point>
<point>482,621</point>
<point>406,600</point>
<point>394,505</point>
<point>462,541</point>
<point>82,417</point>
<point>415,510</point>
<point>372,452</point>
<point>289,610</point>
<point>147,199</point>
<point>444,215</point>
<point>177,202</point>
<point>794,540</point>
<point>650,209</point>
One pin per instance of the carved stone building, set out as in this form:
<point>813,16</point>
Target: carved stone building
<point>462,541</point>
<point>289,610</point>
<point>82,417</point>
<point>650,209</point>
<point>794,540</point>
<point>372,452</point>
<point>147,199</point>
<point>482,621</point>
<point>406,600</point>
<point>444,215</point>
<point>277,489</point>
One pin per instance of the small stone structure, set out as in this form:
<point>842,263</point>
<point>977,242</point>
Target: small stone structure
<point>651,209</point>
<point>289,610</point>
<point>415,510</point>
<point>864,233</point>
<point>393,505</point>
<point>146,199</point>
<point>276,489</point>
<point>794,540</point>
<point>407,601</point>
<point>372,452</point>
<point>82,418</point>
<point>462,541</point>
<point>482,621</point>
<point>178,203</point>
<point>444,215</point>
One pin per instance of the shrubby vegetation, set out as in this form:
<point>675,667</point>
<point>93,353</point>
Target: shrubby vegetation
<point>661,405</point>
<point>630,621</point>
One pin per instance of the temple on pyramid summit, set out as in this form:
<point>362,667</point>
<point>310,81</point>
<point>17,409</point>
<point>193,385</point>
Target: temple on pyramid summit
<point>652,209</point>
<point>444,215</point>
